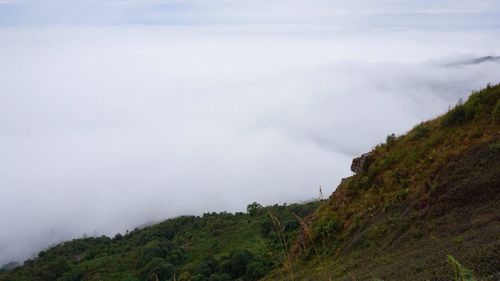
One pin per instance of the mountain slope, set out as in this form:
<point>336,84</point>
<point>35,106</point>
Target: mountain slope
<point>418,198</point>
<point>215,246</point>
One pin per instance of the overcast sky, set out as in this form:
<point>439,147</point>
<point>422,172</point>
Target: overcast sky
<point>115,113</point>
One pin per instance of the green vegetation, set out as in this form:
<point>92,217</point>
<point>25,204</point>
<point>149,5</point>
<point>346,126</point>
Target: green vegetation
<point>215,246</point>
<point>423,202</point>
<point>460,273</point>
<point>427,195</point>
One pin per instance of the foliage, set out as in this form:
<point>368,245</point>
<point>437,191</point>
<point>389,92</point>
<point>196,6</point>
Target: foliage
<point>420,131</point>
<point>254,208</point>
<point>495,115</point>
<point>460,272</point>
<point>456,115</point>
<point>440,179</point>
<point>216,246</point>
<point>390,139</point>
<point>427,193</point>
<point>325,226</point>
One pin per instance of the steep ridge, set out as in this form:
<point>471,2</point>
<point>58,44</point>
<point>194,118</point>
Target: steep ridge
<point>420,204</point>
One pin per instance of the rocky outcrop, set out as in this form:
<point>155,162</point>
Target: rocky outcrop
<point>361,163</point>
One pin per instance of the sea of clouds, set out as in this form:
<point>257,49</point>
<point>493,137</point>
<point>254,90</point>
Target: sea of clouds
<point>124,118</point>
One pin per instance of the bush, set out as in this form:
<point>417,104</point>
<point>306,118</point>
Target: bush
<point>199,277</point>
<point>157,268</point>
<point>53,270</point>
<point>162,271</point>
<point>390,139</point>
<point>266,228</point>
<point>457,115</point>
<point>256,270</point>
<point>495,147</point>
<point>420,131</point>
<point>130,278</point>
<point>325,226</point>
<point>207,267</point>
<point>495,115</point>
<point>224,277</point>
<point>239,262</point>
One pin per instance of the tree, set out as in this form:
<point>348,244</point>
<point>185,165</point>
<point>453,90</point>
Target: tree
<point>130,278</point>
<point>254,208</point>
<point>239,261</point>
<point>163,271</point>
<point>256,270</point>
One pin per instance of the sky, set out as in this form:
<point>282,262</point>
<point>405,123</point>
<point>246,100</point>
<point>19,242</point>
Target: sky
<point>118,113</point>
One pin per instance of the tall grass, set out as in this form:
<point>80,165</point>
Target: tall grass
<point>287,271</point>
<point>460,273</point>
<point>320,258</point>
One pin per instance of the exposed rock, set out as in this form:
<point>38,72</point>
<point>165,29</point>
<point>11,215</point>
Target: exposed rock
<point>361,163</point>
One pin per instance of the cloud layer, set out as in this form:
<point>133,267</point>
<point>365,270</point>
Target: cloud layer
<point>107,127</point>
<point>354,14</point>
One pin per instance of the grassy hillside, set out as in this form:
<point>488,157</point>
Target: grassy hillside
<point>423,206</point>
<point>215,246</point>
<point>422,202</point>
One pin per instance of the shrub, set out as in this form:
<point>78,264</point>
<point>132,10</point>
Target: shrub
<point>163,271</point>
<point>129,278</point>
<point>207,267</point>
<point>199,277</point>
<point>495,115</point>
<point>495,147</point>
<point>390,139</point>
<point>457,115</point>
<point>53,270</point>
<point>420,131</point>
<point>239,262</point>
<point>256,270</point>
<point>325,226</point>
<point>401,194</point>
